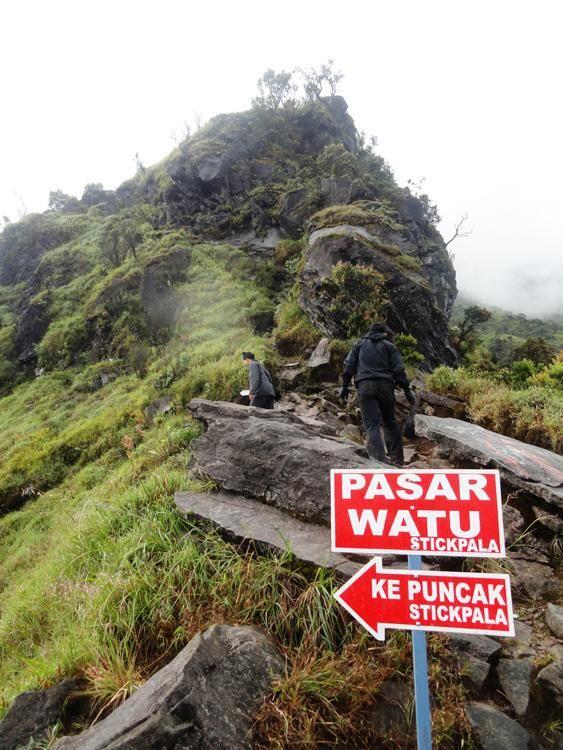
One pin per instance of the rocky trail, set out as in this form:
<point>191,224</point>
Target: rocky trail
<point>271,472</point>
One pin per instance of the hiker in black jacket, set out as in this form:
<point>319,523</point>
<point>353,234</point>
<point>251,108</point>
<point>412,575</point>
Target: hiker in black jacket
<point>376,365</point>
<point>262,392</point>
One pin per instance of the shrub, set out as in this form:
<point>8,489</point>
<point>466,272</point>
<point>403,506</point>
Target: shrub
<point>358,297</point>
<point>294,333</point>
<point>534,415</point>
<point>550,377</point>
<point>407,345</point>
<point>64,340</point>
<point>288,249</point>
<point>521,371</point>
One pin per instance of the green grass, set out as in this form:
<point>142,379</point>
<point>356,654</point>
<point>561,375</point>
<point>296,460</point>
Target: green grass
<point>100,576</point>
<point>534,414</point>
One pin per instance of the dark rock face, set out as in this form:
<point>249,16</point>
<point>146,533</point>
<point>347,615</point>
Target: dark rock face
<point>32,323</point>
<point>230,158</point>
<point>418,296</point>
<point>535,470</point>
<point>294,211</point>
<point>495,730</point>
<point>272,456</point>
<point>33,713</point>
<point>239,518</point>
<point>158,299</point>
<point>204,699</point>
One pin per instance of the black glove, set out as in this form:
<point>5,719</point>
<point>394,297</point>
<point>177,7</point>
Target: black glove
<point>410,396</point>
<point>343,394</point>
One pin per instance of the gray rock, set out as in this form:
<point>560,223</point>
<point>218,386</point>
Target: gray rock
<point>551,678</point>
<point>352,433</point>
<point>336,191</point>
<point>513,524</point>
<point>536,470</point>
<point>548,521</point>
<point>476,672</point>
<point>554,619</point>
<point>391,713</point>
<point>531,580</point>
<point>294,210</point>
<point>32,714</point>
<point>321,355</point>
<point>495,730</point>
<point>480,646</point>
<point>205,698</point>
<point>239,518</point>
<point>514,676</point>
<point>272,456</point>
<point>520,644</point>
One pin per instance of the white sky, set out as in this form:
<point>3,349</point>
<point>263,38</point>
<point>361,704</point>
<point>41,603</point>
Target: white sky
<point>464,93</point>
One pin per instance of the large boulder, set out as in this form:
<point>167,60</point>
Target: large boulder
<point>537,471</point>
<point>205,698</point>
<point>272,456</point>
<point>416,297</point>
<point>33,713</point>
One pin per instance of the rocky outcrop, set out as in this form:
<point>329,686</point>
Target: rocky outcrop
<point>240,519</point>
<point>537,471</point>
<point>204,699</point>
<point>272,456</point>
<point>219,166</point>
<point>32,714</point>
<point>416,297</point>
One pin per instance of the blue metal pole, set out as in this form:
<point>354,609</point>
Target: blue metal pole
<point>420,669</point>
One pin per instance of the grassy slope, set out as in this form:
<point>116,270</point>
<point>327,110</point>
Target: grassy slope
<point>100,576</point>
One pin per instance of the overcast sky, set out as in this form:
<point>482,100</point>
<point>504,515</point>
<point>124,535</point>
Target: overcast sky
<point>466,94</point>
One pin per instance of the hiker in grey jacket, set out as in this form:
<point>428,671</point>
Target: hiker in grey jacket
<point>262,391</point>
<point>376,365</point>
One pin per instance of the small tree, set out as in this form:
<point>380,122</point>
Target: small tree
<point>275,90</point>
<point>315,80</point>
<point>537,351</point>
<point>93,193</point>
<point>465,335</point>
<point>59,201</point>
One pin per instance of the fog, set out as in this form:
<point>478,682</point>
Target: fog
<point>464,94</point>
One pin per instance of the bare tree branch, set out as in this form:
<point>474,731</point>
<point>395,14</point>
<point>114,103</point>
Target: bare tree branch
<point>458,233</point>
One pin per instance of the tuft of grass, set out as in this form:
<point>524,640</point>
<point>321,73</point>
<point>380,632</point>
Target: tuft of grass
<point>534,415</point>
<point>294,332</point>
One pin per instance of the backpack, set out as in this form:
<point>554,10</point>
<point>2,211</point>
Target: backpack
<point>277,394</point>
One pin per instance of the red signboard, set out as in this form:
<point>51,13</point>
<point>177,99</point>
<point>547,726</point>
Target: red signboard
<point>452,512</point>
<point>477,603</point>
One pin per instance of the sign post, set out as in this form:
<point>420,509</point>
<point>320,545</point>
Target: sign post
<point>436,512</point>
<point>420,671</point>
